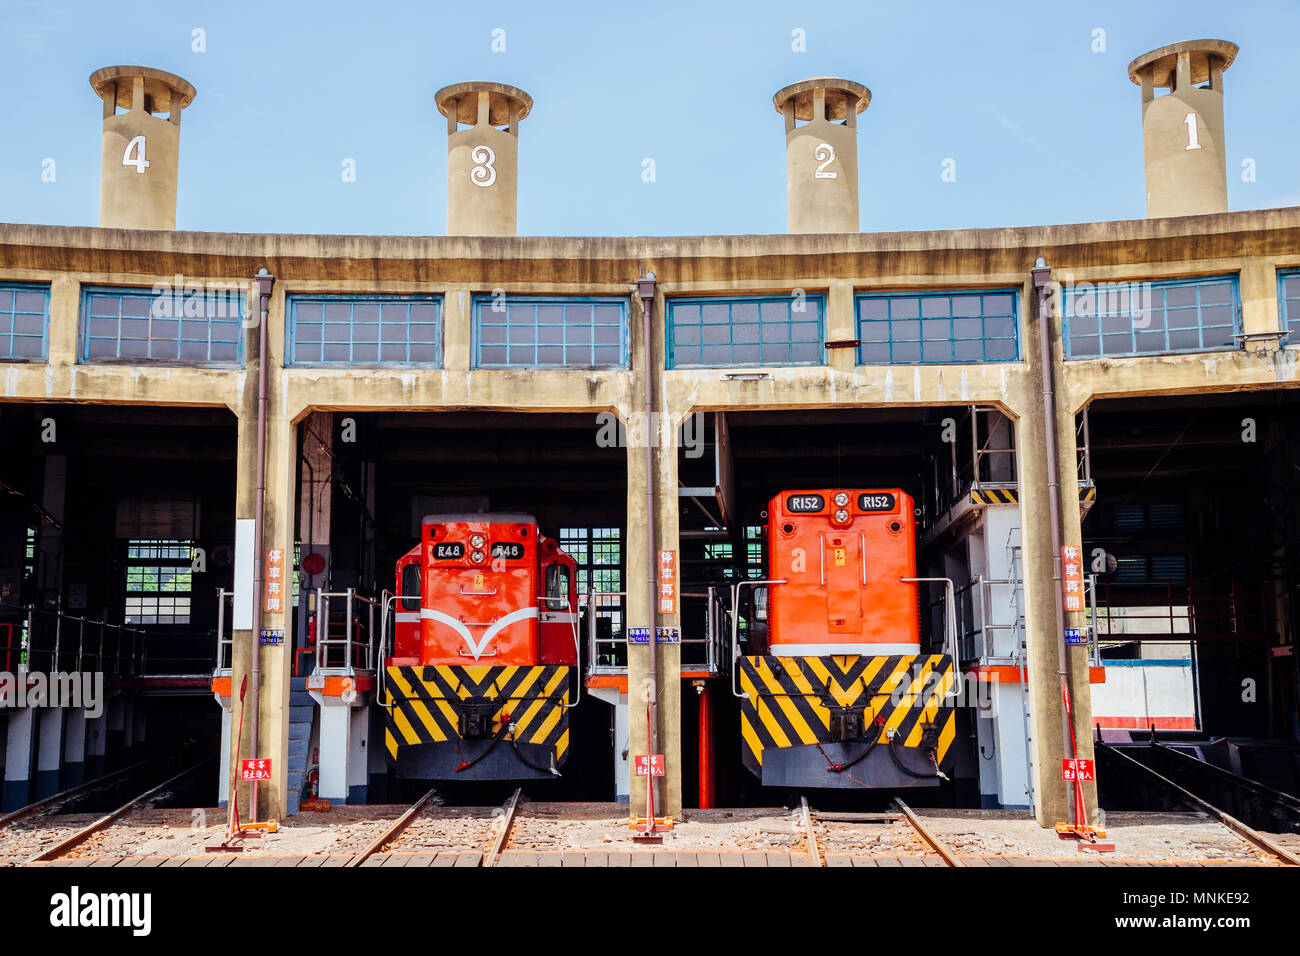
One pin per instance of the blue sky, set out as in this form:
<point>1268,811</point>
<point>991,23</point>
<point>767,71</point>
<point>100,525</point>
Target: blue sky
<point>1042,128</point>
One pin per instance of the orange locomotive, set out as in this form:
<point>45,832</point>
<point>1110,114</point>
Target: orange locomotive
<point>484,636</point>
<point>837,693</point>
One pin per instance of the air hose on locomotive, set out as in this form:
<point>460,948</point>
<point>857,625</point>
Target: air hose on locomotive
<point>930,739</point>
<point>833,767</point>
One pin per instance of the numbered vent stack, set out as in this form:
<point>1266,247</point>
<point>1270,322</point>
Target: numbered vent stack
<point>821,152</point>
<point>141,147</point>
<point>1182,130</point>
<point>482,157</point>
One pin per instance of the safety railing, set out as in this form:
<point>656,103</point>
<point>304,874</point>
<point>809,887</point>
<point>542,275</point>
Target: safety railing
<point>991,637</point>
<point>1236,610</point>
<point>44,640</point>
<point>225,660</point>
<point>606,647</point>
<point>356,647</point>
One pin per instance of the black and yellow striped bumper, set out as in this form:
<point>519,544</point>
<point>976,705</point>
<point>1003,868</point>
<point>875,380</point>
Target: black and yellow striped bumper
<point>431,731</point>
<point>846,722</point>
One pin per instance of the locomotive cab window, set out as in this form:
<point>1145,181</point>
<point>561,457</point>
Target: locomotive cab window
<point>557,587</point>
<point>411,587</point>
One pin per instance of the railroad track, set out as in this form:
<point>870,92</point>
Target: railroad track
<point>809,818</point>
<point>80,836</point>
<point>1269,843</point>
<point>502,822</point>
<point>54,801</point>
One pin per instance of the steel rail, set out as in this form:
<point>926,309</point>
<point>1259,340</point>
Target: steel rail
<point>63,796</point>
<point>939,846</point>
<point>814,857</point>
<point>1232,823</point>
<point>91,829</point>
<point>503,833</point>
<point>394,830</point>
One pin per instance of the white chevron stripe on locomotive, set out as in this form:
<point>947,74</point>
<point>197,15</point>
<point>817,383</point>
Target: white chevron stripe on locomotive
<point>477,648</point>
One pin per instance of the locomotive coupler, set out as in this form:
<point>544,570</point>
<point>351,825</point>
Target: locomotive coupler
<point>475,718</point>
<point>848,723</point>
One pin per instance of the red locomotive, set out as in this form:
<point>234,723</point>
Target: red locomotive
<point>485,634</point>
<point>837,693</point>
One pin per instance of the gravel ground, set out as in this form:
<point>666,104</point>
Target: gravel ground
<point>603,826</point>
<point>1137,836</point>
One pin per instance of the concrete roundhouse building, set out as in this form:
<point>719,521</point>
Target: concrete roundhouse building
<point>408,375</point>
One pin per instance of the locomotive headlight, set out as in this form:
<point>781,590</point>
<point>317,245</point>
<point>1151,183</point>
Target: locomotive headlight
<point>842,515</point>
<point>841,500</point>
<point>477,557</point>
<point>476,541</point>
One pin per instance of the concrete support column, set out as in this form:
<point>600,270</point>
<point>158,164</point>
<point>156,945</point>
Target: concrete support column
<point>49,751</point>
<point>278,530</point>
<point>841,325</point>
<point>127,741</point>
<point>139,735</point>
<point>456,339</point>
<point>1042,586</point>
<point>668,689</point>
<point>223,773</point>
<point>19,750</point>
<point>73,772</point>
<point>335,749</point>
<point>1259,313</point>
<point>97,744</point>
<point>358,748</point>
<point>65,312</point>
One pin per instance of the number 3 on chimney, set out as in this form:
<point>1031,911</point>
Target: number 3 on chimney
<point>140,163</point>
<point>484,173</point>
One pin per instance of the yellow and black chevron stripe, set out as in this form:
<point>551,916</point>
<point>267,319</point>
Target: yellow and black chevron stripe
<point>422,705</point>
<point>1087,493</point>
<point>994,496</point>
<point>790,701</point>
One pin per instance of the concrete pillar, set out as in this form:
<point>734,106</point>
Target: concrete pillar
<point>335,748</point>
<point>1052,794</point>
<point>821,156</point>
<point>49,751</point>
<point>622,749</point>
<point>457,342</point>
<point>139,738</point>
<point>49,570</point>
<point>358,751</point>
<point>73,772</point>
<point>482,160</point>
<point>841,326</point>
<point>668,656</point>
<point>1182,131</point>
<point>97,745</point>
<point>19,749</point>
<point>281,450</point>
<point>223,773</point>
<point>126,733</point>
<point>141,151</point>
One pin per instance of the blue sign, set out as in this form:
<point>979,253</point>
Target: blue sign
<point>668,635</point>
<point>638,635</point>
<point>272,635</point>
<point>1076,635</point>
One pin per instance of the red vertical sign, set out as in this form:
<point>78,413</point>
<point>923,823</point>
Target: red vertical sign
<point>1072,578</point>
<point>667,582</point>
<point>274,583</point>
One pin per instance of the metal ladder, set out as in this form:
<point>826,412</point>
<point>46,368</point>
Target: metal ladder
<point>1016,602</point>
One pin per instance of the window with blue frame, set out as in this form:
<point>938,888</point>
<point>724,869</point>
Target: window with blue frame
<point>753,330</point>
<point>173,328</point>
<point>909,328</point>
<point>550,332</point>
<point>24,320</point>
<point>1288,304</point>
<point>364,330</point>
<point>1151,318</point>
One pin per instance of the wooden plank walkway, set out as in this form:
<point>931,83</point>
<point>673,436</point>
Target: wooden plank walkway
<point>572,858</point>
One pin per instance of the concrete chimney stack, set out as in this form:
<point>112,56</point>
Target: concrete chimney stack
<point>483,158</point>
<point>821,155</point>
<point>141,151</point>
<point>1182,131</point>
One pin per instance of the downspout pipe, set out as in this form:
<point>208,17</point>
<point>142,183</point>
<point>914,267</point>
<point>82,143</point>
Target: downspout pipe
<point>1042,274</point>
<point>265,281</point>
<point>645,288</point>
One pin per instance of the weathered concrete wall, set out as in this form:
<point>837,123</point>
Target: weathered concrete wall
<point>1253,244</point>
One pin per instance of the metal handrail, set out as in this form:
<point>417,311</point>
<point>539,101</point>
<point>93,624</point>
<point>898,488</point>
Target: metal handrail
<point>28,651</point>
<point>324,641</point>
<point>735,627</point>
<point>225,645</point>
<point>593,655</point>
